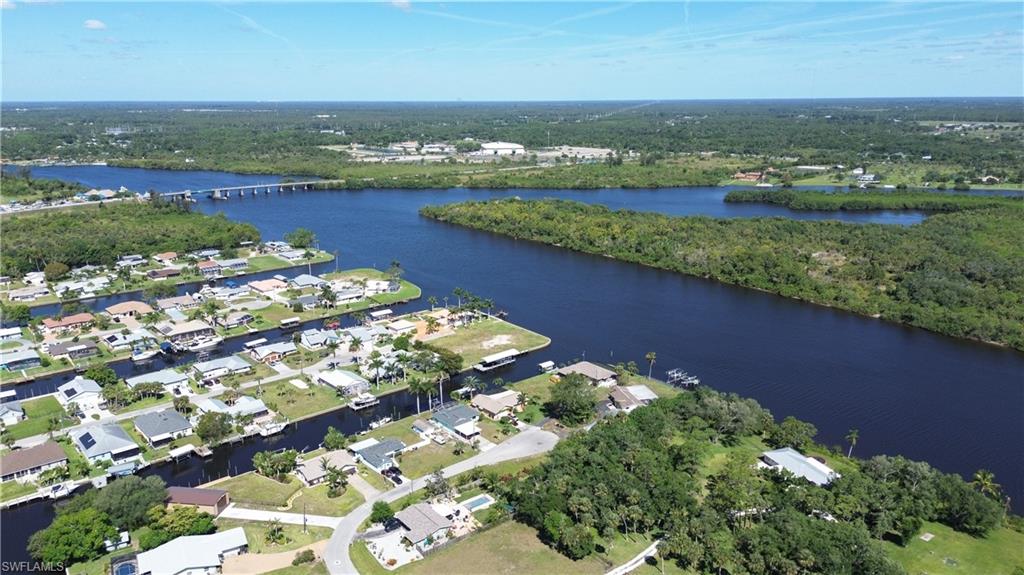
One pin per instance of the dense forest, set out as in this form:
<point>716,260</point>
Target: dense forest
<point>682,470</point>
<point>874,200</point>
<point>101,234</point>
<point>20,186</point>
<point>960,274</point>
<point>289,138</point>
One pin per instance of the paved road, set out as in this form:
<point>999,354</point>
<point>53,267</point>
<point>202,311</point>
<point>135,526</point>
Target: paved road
<point>532,441</point>
<point>636,561</point>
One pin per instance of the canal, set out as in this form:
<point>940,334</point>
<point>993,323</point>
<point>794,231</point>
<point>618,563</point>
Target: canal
<point>956,404</point>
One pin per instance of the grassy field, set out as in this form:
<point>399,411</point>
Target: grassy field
<point>252,489</point>
<point>13,489</point>
<point>37,416</point>
<point>952,553</point>
<point>424,460</point>
<point>489,336</point>
<point>493,431</point>
<point>314,568</point>
<point>401,429</point>
<point>256,533</point>
<point>294,403</point>
<point>318,503</point>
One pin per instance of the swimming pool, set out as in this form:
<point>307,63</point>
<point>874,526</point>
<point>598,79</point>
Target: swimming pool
<point>479,502</point>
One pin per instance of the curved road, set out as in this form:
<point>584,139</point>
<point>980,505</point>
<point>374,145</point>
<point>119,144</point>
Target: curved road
<point>532,441</point>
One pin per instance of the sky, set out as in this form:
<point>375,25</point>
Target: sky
<point>405,50</point>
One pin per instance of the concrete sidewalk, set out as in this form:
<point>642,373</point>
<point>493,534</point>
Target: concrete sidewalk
<point>235,512</point>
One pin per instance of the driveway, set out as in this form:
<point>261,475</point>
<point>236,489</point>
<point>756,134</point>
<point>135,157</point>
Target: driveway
<point>234,512</point>
<point>532,441</point>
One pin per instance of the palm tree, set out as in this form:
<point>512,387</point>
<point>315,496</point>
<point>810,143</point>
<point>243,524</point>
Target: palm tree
<point>472,382</point>
<point>419,386</point>
<point>432,300</point>
<point>651,357</point>
<point>851,438</point>
<point>985,481</point>
<point>333,346</point>
<point>375,364</point>
<point>355,345</point>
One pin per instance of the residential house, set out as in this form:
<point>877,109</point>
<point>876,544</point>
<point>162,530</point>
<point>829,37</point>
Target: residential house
<point>628,398</point>
<point>369,335</point>
<point>192,554</point>
<point>222,366</point>
<point>24,465</point>
<point>497,405</point>
<point>212,501</point>
<point>162,274</point>
<point>34,278</point>
<point>173,381</point>
<point>85,393</point>
<point>105,442</point>
<point>234,264</point>
<point>600,376</point>
<point>205,254</point>
<point>268,285</point>
<point>18,360</point>
<point>402,327</point>
<point>303,281</point>
<point>377,454</point>
<point>186,330</point>
<point>458,419</point>
<point>314,339</point>
<point>67,323</point>
<point>180,303</point>
<point>798,464</point>
<point>347,382</point>
<point>118,341</point>
<point>243,406</point>
<point>374,287</point>
<point>312,471</point>
<point>277,246</point>
<point>235,319</point>
<point>126,309</point>
<point>308,301</point>
<point>130,261</point>
<point>274,352</point>
<point>161,427</point>
<point>11,412</point>
<point>28,293</point>
<point>9,333</point>
<point>165,258</point>
<point>208,268</point>
<point>424,527</point>
<point>292,255</point>
<point>73,349</point>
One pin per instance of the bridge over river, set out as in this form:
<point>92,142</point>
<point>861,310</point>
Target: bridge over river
<point>253,189</point>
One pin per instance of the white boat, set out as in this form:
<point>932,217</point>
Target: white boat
<point>272,428</point>
<point>206,342</point>
<point>496,360</point>
<point>380,422</point>
<point>363,400</point>
<point>62,490</point>
<point>146,354</point>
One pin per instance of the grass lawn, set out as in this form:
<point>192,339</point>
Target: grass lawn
<point>537,388</point>
<point>407,291</point>
<point>148,401</point>
<point>256,533</point>
<point>294,403</point>
<point>259,371</point>
<point>154,454</point>
<point>489,336</point>
<point>401,429</point>
<point>950,552</point>
<point>493,431</point>
<point>318,503</point>
<point>10,345</point>
<point>425,459</point>
<point>315,568</point>
<point>252,489</point>
<point>12,489</point>
<point>305,357</point>
<point>37,415</point>
<point>99,566</point>
<point>375,479</point>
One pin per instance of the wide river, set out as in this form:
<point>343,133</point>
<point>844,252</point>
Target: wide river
<point>957,404</point>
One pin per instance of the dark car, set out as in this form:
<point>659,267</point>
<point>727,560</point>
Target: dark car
<point>392,524</point>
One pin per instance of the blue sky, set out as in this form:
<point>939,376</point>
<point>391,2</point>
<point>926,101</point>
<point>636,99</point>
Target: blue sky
<point>408,50</point>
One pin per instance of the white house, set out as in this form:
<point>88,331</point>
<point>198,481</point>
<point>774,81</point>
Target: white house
<point>193,554</point>
<point>162,426</point>
<point>344,381</point>
<point>105,442</point>
<point>24,465</point>
<point>11,412</point>
<point>221,366</point>
<point>85,393</point>
<point>798,464</point>
<point>173,380</point>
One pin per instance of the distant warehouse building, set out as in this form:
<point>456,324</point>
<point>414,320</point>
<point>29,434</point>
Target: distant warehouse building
<point>501,149</point>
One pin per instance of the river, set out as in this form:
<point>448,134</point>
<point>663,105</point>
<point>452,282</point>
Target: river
<point>956,404</point>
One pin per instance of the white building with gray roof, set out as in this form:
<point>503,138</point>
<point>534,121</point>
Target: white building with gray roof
<point>160,427</point>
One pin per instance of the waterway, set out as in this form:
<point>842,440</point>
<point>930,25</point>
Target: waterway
<point>954,403</point>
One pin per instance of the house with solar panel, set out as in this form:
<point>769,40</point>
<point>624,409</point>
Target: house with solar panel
<point>105,442</point>
<point>85,393</point>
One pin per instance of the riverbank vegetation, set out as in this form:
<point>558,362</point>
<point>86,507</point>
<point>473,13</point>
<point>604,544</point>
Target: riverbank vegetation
<point>101,234</point>
<point>873,200</point>
<point>648,475</point>
<point>959,274</point>
<point>20,186</point>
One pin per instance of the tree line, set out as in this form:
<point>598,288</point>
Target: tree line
<point>960,274</point>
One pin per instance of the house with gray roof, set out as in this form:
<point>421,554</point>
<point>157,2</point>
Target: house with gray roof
<point>306,281</point>
<point>192,554</point>
<point>160,427</point>
<point>377,454</point>
<point>273,352</point>
<point>73,349</point>
<point>312,471</point>
<point>308,301</point>
<point>105,442</point>
<point>424,527</point>
<point>314,339</point>
<point>792,461</point>
<point>11,412</point>
<point>459,419</point>
<point>173,380</point>
<point>18,360</point>
<point>221,366</point>
<point>243,406</point>
<point>85,393</point>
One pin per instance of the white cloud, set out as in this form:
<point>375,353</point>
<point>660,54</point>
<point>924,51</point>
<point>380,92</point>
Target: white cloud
<point>95,25</point>
<point>6,5</point>
<point>402,4</point>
